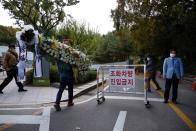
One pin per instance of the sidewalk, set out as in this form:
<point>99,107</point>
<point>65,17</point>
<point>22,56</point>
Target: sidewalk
<point>37,95</point>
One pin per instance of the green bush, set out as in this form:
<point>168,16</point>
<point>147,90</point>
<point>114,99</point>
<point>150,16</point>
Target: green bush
<point>29,77</point>
<point>89,76</point>
<point>54,76</point>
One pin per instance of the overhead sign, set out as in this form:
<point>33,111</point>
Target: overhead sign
<point>124,78</point>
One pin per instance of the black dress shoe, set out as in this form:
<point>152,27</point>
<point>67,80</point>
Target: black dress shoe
<point>70,104</point>
<point>1,92</point>
<point>22,90</point>
<point>57,107</point>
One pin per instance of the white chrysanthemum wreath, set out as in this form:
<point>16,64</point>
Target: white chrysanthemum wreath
<point>65,53</point>
<point>52,48</point>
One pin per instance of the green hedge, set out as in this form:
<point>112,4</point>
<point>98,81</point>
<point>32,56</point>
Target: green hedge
<point>29,77</point>
<point>54,76</point>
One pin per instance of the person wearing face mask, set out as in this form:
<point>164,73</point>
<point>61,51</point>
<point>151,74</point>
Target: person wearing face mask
<point>9,64</point>
<point>151,72</point>
<point>173,73</point>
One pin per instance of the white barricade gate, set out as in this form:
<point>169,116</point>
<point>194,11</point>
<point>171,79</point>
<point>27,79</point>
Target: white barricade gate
<point>121,79</point>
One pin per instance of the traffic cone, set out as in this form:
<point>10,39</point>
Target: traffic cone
<point>194,83</point>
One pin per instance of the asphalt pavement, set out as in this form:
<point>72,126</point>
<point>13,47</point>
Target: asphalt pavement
<point>119,112</point>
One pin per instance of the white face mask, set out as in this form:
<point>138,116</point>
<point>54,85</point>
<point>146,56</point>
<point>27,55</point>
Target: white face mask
<point>172,55</point>
<point>148,58</point>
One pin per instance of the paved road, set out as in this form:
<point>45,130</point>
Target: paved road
<point>120,112</point>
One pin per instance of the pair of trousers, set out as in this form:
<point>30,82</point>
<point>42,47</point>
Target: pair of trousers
<point>152,76</point>
<point>10,75</point>
<point>174,82</point>
<point>62,86</point>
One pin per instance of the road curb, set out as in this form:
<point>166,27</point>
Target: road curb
<point>93,86</point>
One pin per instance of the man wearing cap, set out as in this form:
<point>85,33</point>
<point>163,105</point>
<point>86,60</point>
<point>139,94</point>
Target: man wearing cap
<point>9,64</point>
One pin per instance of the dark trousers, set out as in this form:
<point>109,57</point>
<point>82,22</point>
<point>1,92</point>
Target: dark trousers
<point>174,82</point>
<point>152,76</point>
<point>62,86</point>
<point>10,75</point>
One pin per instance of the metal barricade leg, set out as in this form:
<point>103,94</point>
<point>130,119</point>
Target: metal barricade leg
<point>100,92</point>
<point>147,103</point>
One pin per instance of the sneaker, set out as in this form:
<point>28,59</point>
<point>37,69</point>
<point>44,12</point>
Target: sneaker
<point>70,104</point>
<point>22,90</point>
<point>57,107</point>
<point>1,92</point>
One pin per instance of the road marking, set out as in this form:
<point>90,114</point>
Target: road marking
<point>120,121</point>
<point>5,109</point>
<point>85,101</point>
<point>178,111</point>
<point>134,98</point>
<point>18,119</point>
<point>43,120</point>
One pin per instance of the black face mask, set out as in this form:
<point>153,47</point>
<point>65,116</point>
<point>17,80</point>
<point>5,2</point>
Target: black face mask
<point>27,36</point>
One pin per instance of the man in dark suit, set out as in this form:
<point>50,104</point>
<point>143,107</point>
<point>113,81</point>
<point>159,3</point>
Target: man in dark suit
<point>66,79</point>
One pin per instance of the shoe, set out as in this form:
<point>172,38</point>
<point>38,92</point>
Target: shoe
<point>149,90</point>
<point>57,107</point>
<point>22,90</point>
<point>165,101</point>
<point>1,92</point>
<point>70,104</point>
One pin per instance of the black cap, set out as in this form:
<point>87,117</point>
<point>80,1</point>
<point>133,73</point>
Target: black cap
<point>11,46</point>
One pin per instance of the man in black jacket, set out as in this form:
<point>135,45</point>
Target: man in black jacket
<point>151,72</point>
<point>66,79</point>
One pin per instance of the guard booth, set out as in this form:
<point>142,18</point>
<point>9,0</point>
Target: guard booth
<point>122,79</point>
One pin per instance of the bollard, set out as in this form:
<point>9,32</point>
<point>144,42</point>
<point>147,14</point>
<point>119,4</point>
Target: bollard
<point>194,83</point>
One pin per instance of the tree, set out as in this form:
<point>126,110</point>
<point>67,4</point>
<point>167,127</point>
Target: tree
<point>7,35</point>
<point>115,46</point>
<point>80,36</point>
<point>44,15</point>
<point>158,25</point>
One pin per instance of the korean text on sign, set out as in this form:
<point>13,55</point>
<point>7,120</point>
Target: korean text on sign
<point>122,78</point>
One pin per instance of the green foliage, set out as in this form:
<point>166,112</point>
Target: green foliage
<point>29,77</point>
<point>44,15</point>
<point>41,82</point>
<point>79,36</point>
<point>157,26</point>
<point>54,77</point>
<point>7,35</point>
<point>89,76</point>
<point>115,47</point>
